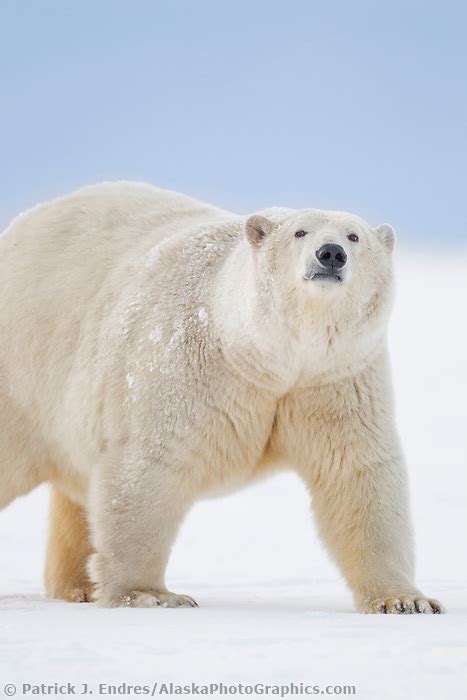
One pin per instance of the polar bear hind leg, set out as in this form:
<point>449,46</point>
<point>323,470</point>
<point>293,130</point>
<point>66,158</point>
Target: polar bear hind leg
<point>68,549</point>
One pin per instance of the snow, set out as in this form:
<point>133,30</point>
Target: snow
<point>203,315</point>
<point>273,608</point>
<point>155,335</point>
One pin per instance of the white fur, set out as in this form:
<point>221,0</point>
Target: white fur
<point>155,350</point>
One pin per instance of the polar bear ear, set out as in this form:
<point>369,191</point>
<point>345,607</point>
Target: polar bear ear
<point>258,228</point>
<point>387,235</point>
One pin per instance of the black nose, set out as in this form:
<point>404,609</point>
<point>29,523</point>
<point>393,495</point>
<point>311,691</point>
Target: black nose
<point>332,255</point>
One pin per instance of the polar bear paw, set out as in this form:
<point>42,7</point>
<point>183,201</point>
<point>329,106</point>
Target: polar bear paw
<point>404,605</point>
<point>70,591</point>
<point>149,599</point>
<point>81,594</point>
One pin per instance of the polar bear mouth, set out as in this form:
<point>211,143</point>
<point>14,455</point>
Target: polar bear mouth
<point>327,278</point>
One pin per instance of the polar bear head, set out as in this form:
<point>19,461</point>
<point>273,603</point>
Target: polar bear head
<point>323,294</point>
<point>307,293</point>
<point>334,259</point>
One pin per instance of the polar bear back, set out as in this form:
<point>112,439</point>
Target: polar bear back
<point>55,257</point>
<point>98,224</point>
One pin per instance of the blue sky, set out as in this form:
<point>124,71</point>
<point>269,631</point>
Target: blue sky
<point>350,105</point>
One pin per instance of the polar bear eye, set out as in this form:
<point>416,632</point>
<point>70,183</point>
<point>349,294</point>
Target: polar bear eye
<point>300,234</point>
<point>353,237</point>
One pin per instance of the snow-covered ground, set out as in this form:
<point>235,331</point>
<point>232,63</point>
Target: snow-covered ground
<point>273,609</point>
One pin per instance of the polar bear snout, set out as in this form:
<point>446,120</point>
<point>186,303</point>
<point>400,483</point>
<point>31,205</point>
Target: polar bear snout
<point>327,266</point>
<point>332,256</point>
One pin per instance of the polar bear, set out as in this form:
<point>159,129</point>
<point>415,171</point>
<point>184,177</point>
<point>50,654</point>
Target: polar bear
<point>156,350</point>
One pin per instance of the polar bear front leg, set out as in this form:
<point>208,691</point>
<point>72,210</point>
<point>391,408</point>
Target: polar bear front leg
<point>343,439</point>
<point>363,518</point>
<point>358,481</point>
<point>135,516</point>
